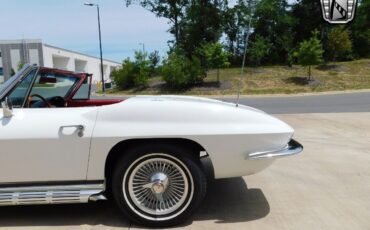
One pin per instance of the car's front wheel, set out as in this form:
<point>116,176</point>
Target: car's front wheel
<point>159,185</point>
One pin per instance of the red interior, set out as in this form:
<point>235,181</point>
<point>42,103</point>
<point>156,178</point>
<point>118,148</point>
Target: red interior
<point>80,103</point>
<point>91,102</point>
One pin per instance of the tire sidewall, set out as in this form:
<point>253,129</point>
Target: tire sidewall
<point>193,170</point>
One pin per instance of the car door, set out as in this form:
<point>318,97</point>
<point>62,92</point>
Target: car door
<point>45,145</point>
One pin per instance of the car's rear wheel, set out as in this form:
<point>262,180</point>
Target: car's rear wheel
<point>158,185</point>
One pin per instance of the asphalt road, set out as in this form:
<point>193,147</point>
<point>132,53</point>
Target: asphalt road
<point>323,103</point>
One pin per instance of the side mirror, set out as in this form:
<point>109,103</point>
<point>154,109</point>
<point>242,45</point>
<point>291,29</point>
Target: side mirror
<point>7,107</point>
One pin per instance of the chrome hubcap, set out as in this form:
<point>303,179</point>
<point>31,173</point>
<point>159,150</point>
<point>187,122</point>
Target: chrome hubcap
<point>159,183</point>
<point>158,186</point>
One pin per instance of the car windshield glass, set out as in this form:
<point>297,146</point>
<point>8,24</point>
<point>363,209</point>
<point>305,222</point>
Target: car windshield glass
<point>17,96</point>
<point>7,83</point>
<point>50,85</point>
<point>12,80</point>
<point>84,91</point>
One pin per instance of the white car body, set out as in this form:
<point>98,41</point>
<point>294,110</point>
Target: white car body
<point>227,133</point>
<point>35,148</point>
<point>146,151</point>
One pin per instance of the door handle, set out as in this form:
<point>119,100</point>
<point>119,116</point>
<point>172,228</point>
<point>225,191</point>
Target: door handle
<point>80,129</point>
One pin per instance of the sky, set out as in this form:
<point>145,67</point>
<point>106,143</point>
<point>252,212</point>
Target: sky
<point>71,25</point>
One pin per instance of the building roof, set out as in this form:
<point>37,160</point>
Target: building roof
<point>20,41</point>
<point>71,51</point>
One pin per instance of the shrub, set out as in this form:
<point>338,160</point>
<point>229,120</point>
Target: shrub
<point>259,49</point>
<point>339,44</point>
<point>179,71</point>
<point>214,57</point>
<point>154,60</point>
<point>310,52</point>
<point>132,74</point>
<point>142,69</point>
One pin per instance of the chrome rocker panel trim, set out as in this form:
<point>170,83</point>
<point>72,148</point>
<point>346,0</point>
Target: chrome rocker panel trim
<point>292,148</point>
<point>59,194</point>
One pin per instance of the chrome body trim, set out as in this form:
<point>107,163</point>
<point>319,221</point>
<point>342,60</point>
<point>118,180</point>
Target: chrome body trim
<point>292,148</point>
<point>58,194</point>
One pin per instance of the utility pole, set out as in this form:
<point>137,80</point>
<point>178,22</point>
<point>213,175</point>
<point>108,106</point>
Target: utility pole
<point>101,51</point>
<point>142,44</point>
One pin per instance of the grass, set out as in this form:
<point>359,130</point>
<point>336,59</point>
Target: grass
<point>335,76</point>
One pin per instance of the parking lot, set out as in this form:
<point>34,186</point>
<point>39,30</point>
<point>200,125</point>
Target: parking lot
<point>326,187</point>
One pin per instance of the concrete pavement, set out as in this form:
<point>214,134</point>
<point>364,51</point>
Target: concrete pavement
<point>326,187</point>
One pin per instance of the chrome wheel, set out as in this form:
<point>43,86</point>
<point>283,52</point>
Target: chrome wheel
<point>158,186</point>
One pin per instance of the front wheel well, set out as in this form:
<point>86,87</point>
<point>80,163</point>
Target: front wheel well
<point>120,148</point>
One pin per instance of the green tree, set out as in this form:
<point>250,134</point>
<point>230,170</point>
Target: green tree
<point>310,52</point>
<point>339,43</point>
<point>132,73</point>
<point>259,48</point>
<point>230,28</point>
<point>273,21</point>
<point>180,72</point>
<point>197,22</point>
<point>235,20</point>
<point>203,24</point>
<point>20,65</point>
<point>215,57</point>
<point>307,14</point>
<point>123,77</point>
<point>192,22</point>
<point>173,10</point>
<point>142,65</point>
<point>360,29</point>
<point>154,60</point>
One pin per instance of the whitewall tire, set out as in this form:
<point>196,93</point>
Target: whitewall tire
<point>158,185</point>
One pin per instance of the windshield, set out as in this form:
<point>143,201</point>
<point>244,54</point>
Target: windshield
<point>12,80</point>
<point>83,92</point>
<point>7,83</point>
<point>19,93</point>
<point>54,85</point>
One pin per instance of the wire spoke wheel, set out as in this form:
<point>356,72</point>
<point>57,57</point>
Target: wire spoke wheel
<point>158,186</point>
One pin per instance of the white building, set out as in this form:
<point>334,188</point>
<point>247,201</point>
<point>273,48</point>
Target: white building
<point>33,51</point>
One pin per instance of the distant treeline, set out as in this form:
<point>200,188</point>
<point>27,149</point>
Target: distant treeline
<point>211,34</point>
<point>277,28</point>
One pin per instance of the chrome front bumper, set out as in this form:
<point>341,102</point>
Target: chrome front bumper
<point>292,148</point>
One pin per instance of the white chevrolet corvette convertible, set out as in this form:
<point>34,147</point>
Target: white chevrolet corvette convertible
<point>146,153</point>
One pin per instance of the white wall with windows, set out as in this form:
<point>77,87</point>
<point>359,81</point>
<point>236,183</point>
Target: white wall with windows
<point>34,51</point>
<point>15,56</point>
<point>68,60</point>
<point>33,55</point>
<point>80,65</point>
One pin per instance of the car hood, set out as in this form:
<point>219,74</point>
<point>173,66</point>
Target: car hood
<point>195,100</point>
<point>192,114</point>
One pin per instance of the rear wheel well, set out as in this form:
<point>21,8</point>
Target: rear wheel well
<point>120,148</point>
